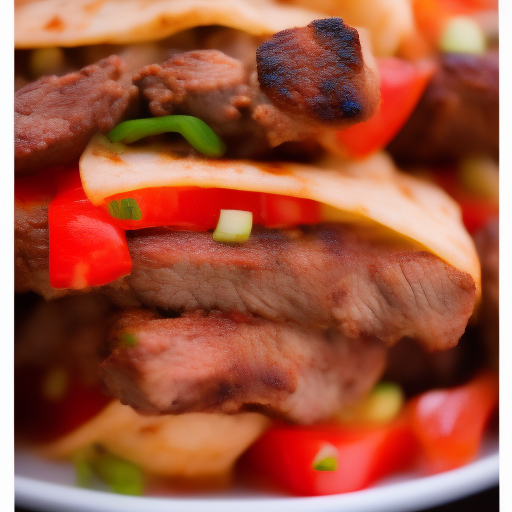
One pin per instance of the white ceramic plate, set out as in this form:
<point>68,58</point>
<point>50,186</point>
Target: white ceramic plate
<point>48,486</point>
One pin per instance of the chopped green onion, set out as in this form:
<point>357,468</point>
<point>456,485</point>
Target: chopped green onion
<point>129,339</point>
<point>125,209</point>
<point>462,35</point>
<point>83,469</point>
<point>326,458</point>
<point>234,226</point>
<point>200,136</point>
<point>122,476</point>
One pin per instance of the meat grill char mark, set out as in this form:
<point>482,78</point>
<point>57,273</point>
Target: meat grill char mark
<point>310,79</point>
<point>324,80</point>
<point>321,277</point>
<point>55,117</point>
<point>217,363</point>
<point>457,117</point>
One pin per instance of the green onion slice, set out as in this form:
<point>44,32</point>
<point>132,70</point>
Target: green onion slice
<point>326,458</point>
<point>129,339</point>
<point>200,136</point>
<point>462,35</point>
<point>125,209</point>
<point>120,475</point>
<point>234,226</point>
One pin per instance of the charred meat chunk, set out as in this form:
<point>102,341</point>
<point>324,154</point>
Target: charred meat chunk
<point>55,117</point>
<point>318,72</point>
<point>224,363</point>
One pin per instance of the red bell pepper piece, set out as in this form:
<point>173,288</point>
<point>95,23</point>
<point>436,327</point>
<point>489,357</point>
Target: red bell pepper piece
<point>402,85</point>
<point>86,248</point>
<point>449,423</point>
<point>288,454</point>
<point>198,209</point>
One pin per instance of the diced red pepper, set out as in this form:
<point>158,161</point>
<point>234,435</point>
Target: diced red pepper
<point>402,84</point>
<point>287,455</point>
<point>450,423</point>
<point>198,209</point>
<point>86,248</point>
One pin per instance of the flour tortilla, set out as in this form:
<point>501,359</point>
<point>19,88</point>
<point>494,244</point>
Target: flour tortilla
<point>42,23</point>
<point>190,446</point>
<point>371,189</point>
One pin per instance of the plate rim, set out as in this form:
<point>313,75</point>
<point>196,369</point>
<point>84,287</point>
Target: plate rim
<point>402,496</point>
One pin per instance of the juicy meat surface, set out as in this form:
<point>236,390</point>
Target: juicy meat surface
<point>55,117</point>
<point>216,363</point>
<point>304,80</point>
<point>458,115</point>
<point>320,277</point>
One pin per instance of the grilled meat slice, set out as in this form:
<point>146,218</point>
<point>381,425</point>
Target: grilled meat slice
<point>229,363</point>
<point>320,277</point>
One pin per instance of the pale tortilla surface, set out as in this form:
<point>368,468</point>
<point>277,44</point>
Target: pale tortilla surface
<point>194,445</point>
<point>41,23</point>
<point>371,189</point>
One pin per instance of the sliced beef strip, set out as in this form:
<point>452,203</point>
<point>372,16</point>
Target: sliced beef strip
<point>323,276</point>
<point>304,80</point>
<point>458,115</point>
<point>216,363</point>
<point>55,117</point>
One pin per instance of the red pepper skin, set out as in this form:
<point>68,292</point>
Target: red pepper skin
<point>402,84</point>
<point>285,454</point>
<point>86,248</point>
<point>198,209</point>
<point>450,423</point>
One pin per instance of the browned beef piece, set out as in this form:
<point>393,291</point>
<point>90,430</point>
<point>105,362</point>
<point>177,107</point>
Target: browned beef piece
<point>320,277</point>
<point>487,241</point>
<point>310,79</point>
<point>56,116</point>
<point>323,276</point>
<point>217,363</point>
<point>318,73</point>
<point>458,115</point>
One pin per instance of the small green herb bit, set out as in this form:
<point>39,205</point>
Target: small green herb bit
<point>129,339</point>
<point>327,464</point>
<point>122,476</point>
<point>125,209</point>
<point>234,226</point>
<point>197,133</point>
<point>326,459</point>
